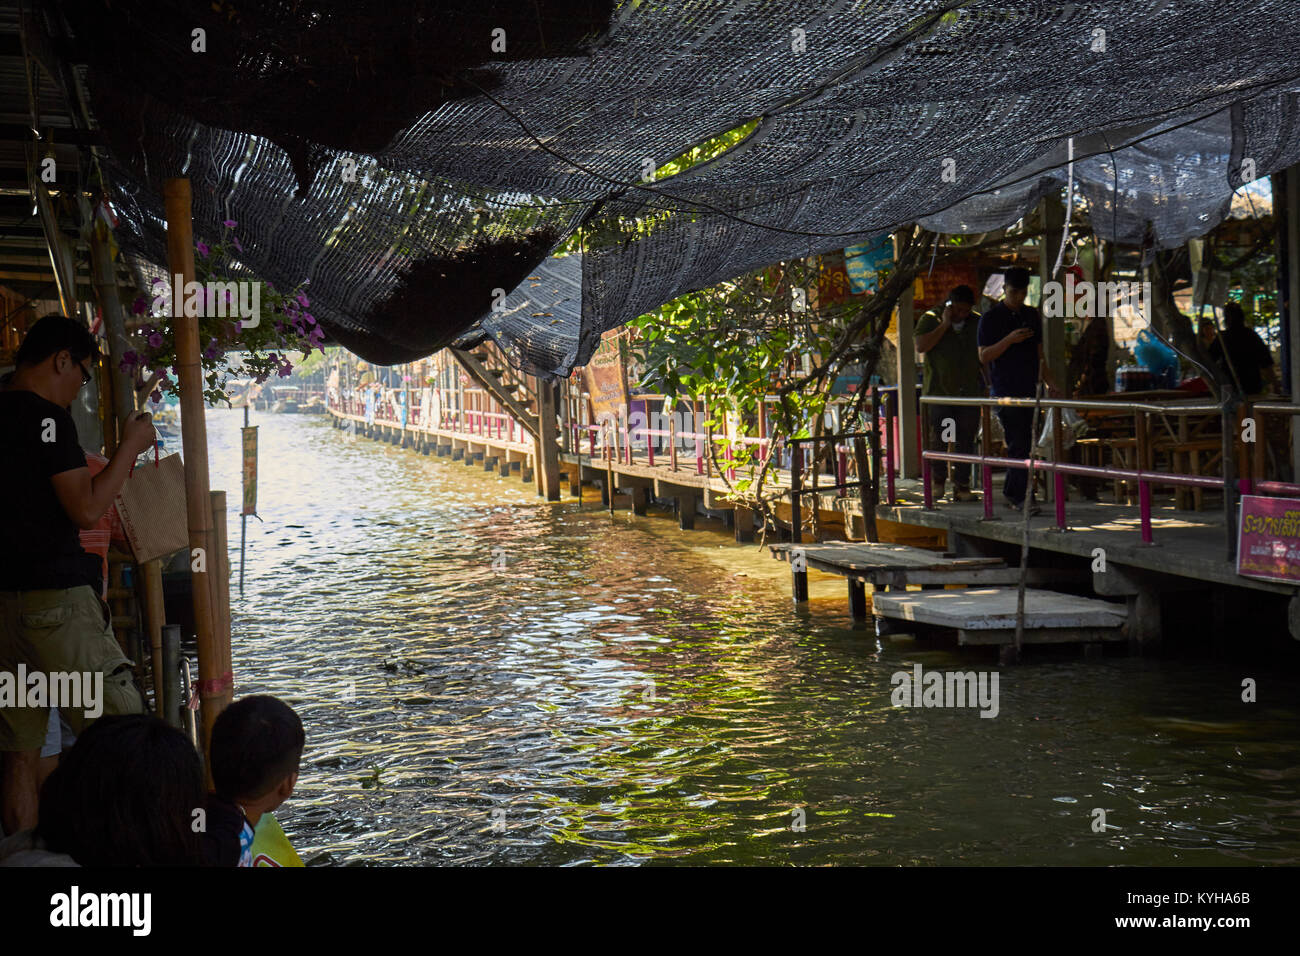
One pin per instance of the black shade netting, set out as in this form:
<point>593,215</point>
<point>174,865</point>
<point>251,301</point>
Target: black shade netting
<point>470,165</point>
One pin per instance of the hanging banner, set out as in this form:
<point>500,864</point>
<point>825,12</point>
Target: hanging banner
<point>864,263</point>
<point>1268,543</point>
<point>605,378</point>
<point>832,280</point>
<point>250,469</point>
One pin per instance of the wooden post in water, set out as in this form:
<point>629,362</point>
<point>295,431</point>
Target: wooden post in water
<point>868,490</point>
<point>798,562</point>
<point>609,464</point>
<point>548,451</point>
<point>214,681</point>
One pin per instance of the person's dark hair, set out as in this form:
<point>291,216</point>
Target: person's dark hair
<point>1017,277</point>
<point>53,333</point>
<point>1232,315</point>
<point>962,293</point>
<point>256,742</point>
<point>125,795</point>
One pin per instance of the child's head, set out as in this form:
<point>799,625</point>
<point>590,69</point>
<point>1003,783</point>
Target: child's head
<point>125,795</point>
<point>256,745</point>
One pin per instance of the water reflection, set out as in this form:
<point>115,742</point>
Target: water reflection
<point>486,678</point>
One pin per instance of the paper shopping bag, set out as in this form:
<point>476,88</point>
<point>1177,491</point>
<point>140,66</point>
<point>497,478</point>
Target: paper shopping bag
<point>152,506</point>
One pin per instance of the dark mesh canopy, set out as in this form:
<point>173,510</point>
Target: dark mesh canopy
<point>419,177</point>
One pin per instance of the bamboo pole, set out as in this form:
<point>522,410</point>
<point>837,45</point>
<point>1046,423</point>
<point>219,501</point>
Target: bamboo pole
<point>104,280</point>
<point>154,618</point>
<point>214,681</point>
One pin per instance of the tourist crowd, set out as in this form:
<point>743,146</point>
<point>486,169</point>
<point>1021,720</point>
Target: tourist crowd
<point>1000,353</point>
<point>106,785</point>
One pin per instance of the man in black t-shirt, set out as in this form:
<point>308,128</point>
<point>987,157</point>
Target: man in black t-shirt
<point>1247,355</point>
<point>1011,345</point>
<point>52,619</point>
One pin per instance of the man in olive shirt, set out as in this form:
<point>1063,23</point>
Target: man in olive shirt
<point>52,619</point>
<point>947,339</point>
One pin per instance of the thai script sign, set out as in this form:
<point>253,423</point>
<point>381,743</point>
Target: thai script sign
<point>1268,546</point>
<point>606,380</point>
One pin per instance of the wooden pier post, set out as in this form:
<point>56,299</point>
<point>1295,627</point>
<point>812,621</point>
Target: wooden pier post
<point>686,510</point>
<point>548,449</point>
<point>909,459</point>
<point>1049,244</point>
<point>798,572</point>
<point>215,682</point>
<point>743,524</point>
<point>609,467</point>
<point>857,599</point>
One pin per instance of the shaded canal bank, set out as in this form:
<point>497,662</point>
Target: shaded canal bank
<point>626,692</point>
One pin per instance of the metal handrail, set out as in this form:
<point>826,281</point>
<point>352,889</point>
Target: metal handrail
<point>1085,403</point>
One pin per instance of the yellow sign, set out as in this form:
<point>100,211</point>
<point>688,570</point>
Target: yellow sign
<point>250,470</point>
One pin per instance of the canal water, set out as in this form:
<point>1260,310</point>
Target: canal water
<point>486,678</point>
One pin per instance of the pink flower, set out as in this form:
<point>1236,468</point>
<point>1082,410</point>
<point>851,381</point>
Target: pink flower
<point>156,340</point>
<point>156,395</point>
<point>303,299</point>
<point>202,247</point>
<point>129,361</point>
<point>229,223</point>
<point>235,242</point>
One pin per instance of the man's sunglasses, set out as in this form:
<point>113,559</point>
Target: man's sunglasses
<point>85,375</point>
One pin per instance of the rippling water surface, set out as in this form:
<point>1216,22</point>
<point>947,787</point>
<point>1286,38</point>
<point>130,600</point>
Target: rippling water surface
<point>487,678</point>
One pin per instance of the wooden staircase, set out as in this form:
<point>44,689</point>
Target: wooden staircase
<point>529,404</point>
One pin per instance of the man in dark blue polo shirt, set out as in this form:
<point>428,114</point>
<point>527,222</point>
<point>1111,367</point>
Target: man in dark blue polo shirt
<point>1011,346</point>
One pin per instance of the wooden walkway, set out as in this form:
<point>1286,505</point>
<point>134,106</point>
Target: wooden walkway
<point>972,552</point>
<point>684,485</point>
<point>1188,544</point>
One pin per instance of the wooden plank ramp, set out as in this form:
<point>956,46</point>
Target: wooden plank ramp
<point>864,558</point>
<point>988,615</point>
<point>898,566</point>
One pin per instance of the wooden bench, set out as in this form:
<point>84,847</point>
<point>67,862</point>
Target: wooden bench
<point>1186,459</point>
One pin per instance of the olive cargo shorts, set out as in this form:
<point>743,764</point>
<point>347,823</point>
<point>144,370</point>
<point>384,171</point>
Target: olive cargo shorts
<point>65,632</point>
